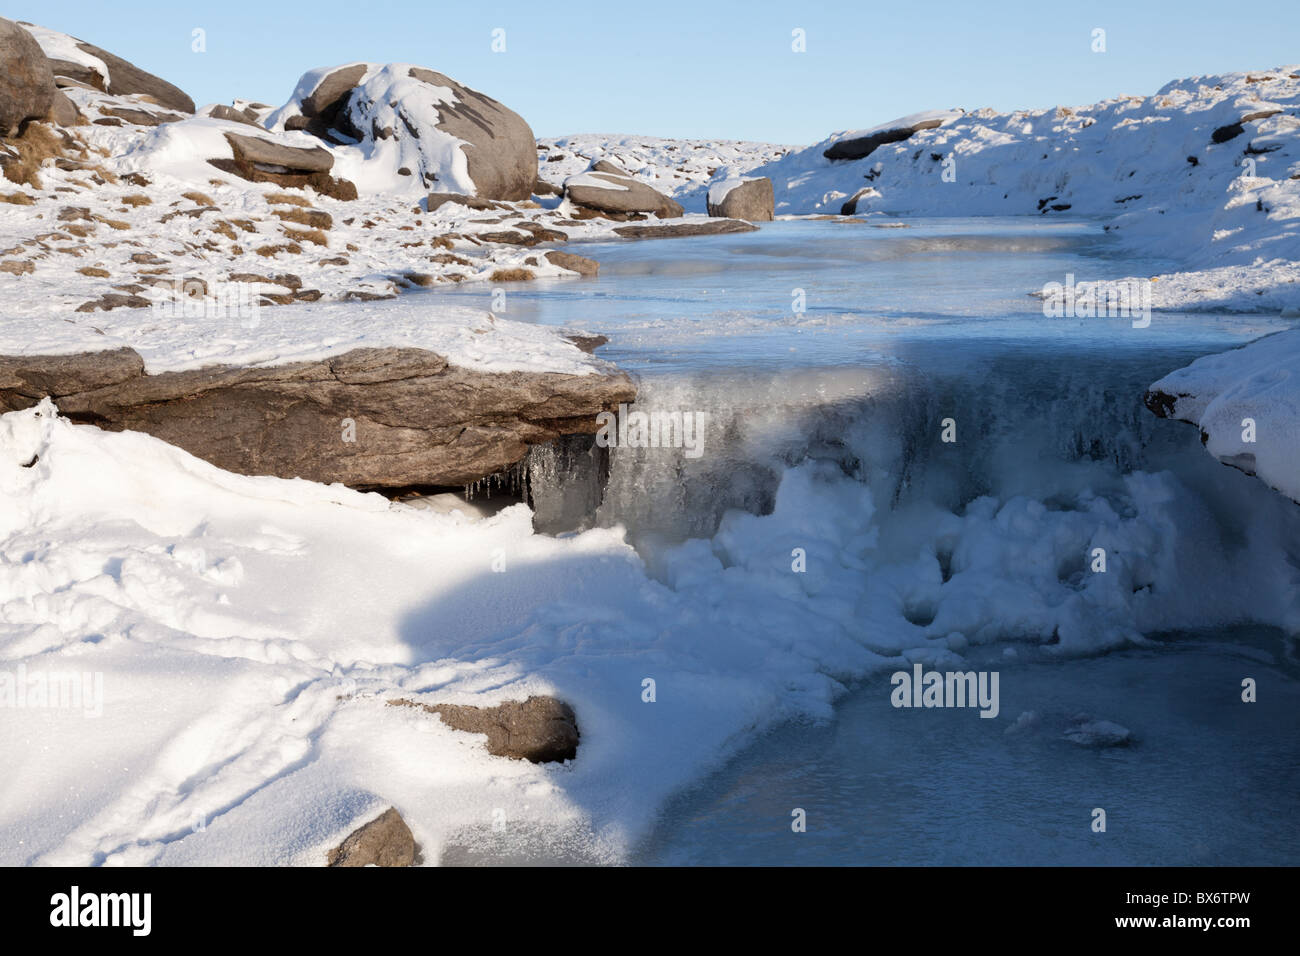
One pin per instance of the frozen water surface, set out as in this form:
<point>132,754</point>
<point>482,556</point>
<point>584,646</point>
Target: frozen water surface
<point>979,546</point>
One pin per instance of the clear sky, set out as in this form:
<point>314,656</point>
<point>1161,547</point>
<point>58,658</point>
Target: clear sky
<point>702,68</point>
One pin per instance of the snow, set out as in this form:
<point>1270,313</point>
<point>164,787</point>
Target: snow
<point>903,122</point>
<point>176,339</point>
<point>1125,160</point>
<point>60,46</point>
<point>1259,382</point>
<point>249,632</point>
<point>388,97</point>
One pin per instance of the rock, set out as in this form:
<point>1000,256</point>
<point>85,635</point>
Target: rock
<point>605,166</point>
<point>540,729</point>
<point>473,202</point>
<point>264,152</point>
<point>605,193</point>
<point>1225,133</point>
<point>120,77</point>
<point>259,160</point>
<point>748,199</point>
<point>233,115</point>
<point>113,300</point>
<point>709,227</point>
<point>64,112</point>
<point>332,94</point>
<point>574,263</point>
<point>866,192</point>
<point>410,106</point>
<point>420,421</point>
<point>142,117</point>
<point>27,84</point>
<point>860,146</point>
<point>543,188</point>
<point>384,841</point>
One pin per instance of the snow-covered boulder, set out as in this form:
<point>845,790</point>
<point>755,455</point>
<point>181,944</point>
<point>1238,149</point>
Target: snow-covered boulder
<point>417,130</point>
<point>859,144</point>
<point>27,85</point>
<point>1247,404</point>
<point>84,63</point>
<point>742,197</point>
<point>617,196</point>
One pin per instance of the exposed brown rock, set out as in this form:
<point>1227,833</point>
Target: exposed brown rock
<point>419,420</point>
<point>709,227</point>
<point>623,195</point>
<point>384,841</point>
<point>26,83</point>
<point>540,729</point>
<point>752,201</point>
<point>574,263</point>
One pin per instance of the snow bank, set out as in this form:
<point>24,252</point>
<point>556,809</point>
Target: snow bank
<point>249,632</point>
<point>1247,403</point>
<point>1204,172</point>
<point>173,339</point>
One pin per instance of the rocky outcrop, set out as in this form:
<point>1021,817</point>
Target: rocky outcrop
<point>861,146</point>
<point>1246,403</point>
<point>27,83</point>
<point>262,160</point>
<point>674,230</point>
<point>384,841</point>
<point>617,196</point>
<point>417,420</point>
<point>369,103</point>
<point>748,199</point>
<point>118,77</point>
<point>574,263</point>
<point>540,729</point>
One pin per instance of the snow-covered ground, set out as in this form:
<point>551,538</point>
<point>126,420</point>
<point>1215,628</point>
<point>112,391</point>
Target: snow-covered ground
<point>1247,404</point>
<point>676,167</point>
<point>1205,172</point>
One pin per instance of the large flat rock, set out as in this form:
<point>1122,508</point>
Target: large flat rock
<point>416,420</point>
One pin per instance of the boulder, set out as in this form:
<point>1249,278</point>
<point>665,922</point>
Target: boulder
<point>574,263</point>
<point>261,160</point>
<point>419,420</point>
<point>429,116</point>
<point>616,195</point>
<point>540,729</point>
<point>748,199</point>
<point>229,113</point>
<point>27,84</point>
<point>384,841</point>
<point>108,72</point>
<point>675,230</point>
<point>63,112</point>
<point>264,152</point>
<point>862,144</point>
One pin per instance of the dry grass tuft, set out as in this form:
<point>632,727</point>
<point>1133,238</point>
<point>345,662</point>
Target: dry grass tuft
<point>31,148</point>
<point>307,235</point>
<point>511,275</point>
<point>287,199</point>
<point>17,199</point>
<point>94,272</point>
<point>139,199</point>
<point>201,199</point>
<point>314,218</point>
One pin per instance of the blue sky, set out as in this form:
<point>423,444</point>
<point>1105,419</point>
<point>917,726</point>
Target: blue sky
<point>695,69</point>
